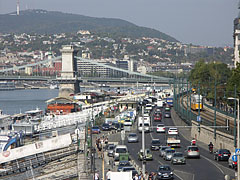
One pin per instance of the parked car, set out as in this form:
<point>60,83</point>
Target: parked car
<point>148,155</point>
<point>222,155</point>
<point>95,130</point>
<point>110,150</point>
<point>178,158</point>
<point>167,115</point>
<point>162,150</point>
<point>192,152</point>
<point>123,164</point>
<point>164,172</point>
<point>155,144</point>
<point>127,122</point>
<point>172,131</point>
<point>168,155</point>
<point>232,164</point>
<point>132,138</point>
<point>161,128</point>
<point>105,127</point>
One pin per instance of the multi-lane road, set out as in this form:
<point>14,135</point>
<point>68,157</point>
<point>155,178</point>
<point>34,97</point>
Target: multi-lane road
<point>195,169</point>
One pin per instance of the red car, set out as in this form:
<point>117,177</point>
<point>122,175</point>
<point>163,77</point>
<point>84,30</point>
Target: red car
<point>157,117</point>
<point>95,130</point>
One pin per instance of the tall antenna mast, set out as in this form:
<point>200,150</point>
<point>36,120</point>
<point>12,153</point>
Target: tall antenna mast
<point>18,8</point>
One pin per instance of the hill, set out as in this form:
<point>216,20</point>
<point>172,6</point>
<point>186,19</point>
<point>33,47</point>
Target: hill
<point>50,22</point>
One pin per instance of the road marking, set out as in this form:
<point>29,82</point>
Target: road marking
<point>174,173</point>
<point>215,164</point>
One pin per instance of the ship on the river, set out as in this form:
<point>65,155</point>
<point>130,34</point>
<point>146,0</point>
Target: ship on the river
<point>7,86</point>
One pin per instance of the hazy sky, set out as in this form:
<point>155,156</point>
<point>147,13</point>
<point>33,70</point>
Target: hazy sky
<point>203,22</point>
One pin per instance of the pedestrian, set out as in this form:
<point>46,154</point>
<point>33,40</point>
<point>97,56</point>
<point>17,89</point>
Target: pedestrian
<point>96,176</point>
<point>108,175</point>
<point>154,176</point>
<point>146,175</point>
<point>135,177</point>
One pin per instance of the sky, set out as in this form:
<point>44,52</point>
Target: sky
<point>200,22</point>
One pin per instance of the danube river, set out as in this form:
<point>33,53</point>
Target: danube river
<point>13,102</point>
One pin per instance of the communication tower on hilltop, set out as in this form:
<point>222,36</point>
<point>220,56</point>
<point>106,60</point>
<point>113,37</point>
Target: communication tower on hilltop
<point>18,7</point>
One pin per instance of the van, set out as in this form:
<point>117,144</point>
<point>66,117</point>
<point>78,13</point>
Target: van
<point>160,103</point>
<point>146,127</point>
<point>148,107</point>
<point>119,149</point>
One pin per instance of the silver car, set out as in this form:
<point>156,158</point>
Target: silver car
<point>132,138</point>
<point>193,152</point>
<point>168,155</point>
<point>162,150</point>
<point>178,158</point>
<point>110,150</point>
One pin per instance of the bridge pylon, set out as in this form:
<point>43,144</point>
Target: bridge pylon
<point>69,83</point>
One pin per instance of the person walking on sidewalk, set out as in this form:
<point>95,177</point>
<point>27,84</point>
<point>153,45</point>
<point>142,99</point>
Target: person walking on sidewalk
<point>108,174</point>
<point>96,176</point>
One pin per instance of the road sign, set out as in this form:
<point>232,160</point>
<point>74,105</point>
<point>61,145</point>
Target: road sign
<point>234,158</point>
<point>199,119</point>
<point>237,152</point>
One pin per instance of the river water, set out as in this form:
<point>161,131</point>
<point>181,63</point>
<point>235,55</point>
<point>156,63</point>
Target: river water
<point>13,102</point>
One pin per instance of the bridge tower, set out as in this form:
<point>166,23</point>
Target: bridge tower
<point>69,83</point>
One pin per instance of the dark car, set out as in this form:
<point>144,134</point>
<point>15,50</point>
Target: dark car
<point>128,169</point>
<point>167,115</point>
<point>155,144</point>
<point>123,164</point>
<point>119,126</point>
<point>164,172</point>
<point>222,155</point>
<point>106,127</point>
<point>95,130</point>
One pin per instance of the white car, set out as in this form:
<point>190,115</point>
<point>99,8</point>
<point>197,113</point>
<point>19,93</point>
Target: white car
<point>172,131</point>
<point>127,122</point>
<point>161,128</point>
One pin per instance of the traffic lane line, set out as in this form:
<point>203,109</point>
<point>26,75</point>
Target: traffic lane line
<point>203,150</point>
<point>183,143</point>
<point>184,178</point>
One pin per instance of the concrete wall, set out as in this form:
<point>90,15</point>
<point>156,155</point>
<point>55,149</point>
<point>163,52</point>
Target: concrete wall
<point>206,135</point>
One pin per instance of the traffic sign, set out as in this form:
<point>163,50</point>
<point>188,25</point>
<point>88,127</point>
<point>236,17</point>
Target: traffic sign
<point>199,119</point>
<point>237,152</point>
<point>234,158</point>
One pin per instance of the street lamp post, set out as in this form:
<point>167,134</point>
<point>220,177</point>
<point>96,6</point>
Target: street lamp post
<point>143,142</point>
<point>238,135</point>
